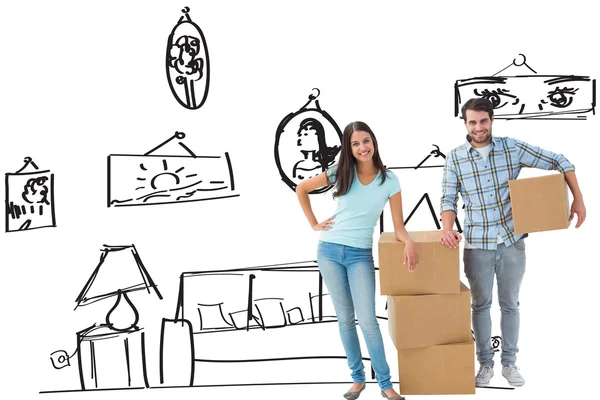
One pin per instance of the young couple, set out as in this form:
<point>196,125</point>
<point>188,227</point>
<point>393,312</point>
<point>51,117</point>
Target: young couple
<point>362,186</point>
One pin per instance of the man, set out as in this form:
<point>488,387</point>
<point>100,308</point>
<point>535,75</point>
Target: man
<point>480,170</point>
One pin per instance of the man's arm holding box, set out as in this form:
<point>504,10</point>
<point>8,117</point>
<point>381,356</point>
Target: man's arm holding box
<point>577,207</point>
<point>533,156</point>
<point>450,188</point>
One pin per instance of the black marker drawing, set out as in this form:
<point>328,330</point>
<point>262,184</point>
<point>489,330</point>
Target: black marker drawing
<point>29,198</point>
<point>148,179</point>
<point>267,316</point>
<point>495,345</point>
<point>112,354</point>
<point>188,68</point>
<point>425,198</point>
<point>530,96</point>
<point>306,143</point>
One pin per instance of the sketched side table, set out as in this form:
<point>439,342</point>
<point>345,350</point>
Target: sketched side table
<point>110,359</point>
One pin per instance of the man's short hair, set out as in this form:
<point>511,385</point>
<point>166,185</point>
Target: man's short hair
<point>478,104</point>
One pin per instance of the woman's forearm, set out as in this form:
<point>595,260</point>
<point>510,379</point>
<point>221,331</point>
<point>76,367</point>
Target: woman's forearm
<point>304,200</point>
<point>402,234</point>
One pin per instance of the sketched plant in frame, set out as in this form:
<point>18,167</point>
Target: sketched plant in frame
<point>29,198</point>
<point>188,68</point>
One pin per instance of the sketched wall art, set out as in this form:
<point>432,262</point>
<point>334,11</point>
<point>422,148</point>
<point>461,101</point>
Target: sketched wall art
<point>29,198</point>
<point>425,199</point>
<point>137,180</point>
<point>188,68</point>
<point>530,96</point>
<point>306,143</point>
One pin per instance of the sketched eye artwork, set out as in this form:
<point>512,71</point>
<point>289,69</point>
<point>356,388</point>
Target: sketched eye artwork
<point>29,198</point>
<point>306,144</point>
<point>136,180</point>
<point>188,69</point>
<point>531,96</point>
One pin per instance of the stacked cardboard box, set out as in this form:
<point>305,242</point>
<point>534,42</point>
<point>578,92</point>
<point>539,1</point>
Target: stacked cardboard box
<point>429,316</point>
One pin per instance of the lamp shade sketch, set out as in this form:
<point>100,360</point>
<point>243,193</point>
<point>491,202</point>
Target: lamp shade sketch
<point>188,68</point>
<point>306,143</point>
<point>111,354</point>
<point>529,95</point>
<point>29,198</point>
<point>119,272</point>
<point>149,179</point>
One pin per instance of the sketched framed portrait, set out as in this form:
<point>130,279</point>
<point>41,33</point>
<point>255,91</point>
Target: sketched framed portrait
<point>307,142</point>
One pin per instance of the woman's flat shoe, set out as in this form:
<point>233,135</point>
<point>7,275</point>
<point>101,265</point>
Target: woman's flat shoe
<point>392,398</point>
<point>354,395</point>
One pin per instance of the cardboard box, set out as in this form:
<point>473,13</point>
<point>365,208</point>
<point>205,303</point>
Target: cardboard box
<point>430,319</point>
<point>540,204</point>
<point>438,270</point>
<point>444,369</point>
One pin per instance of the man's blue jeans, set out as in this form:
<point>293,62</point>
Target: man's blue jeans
<point>508,264</point>
<point>349,275</point>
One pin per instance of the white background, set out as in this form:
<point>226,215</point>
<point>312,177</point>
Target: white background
<point>82,80</point>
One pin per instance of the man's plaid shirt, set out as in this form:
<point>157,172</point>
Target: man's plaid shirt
<point>483,185</point>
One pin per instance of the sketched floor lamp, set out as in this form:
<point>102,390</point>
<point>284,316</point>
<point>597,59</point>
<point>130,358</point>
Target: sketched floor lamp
<point>119,273</point>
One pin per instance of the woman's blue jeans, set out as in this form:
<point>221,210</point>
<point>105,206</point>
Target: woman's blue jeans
<point>349,275</point>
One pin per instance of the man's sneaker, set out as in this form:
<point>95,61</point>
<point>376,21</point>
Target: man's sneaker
<point>484,376</point>
<point>512,375</point>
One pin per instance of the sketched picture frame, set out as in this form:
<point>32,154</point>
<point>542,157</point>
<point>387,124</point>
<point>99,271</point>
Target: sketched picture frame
<point>307,142</point>
<point>530,96</point>
<point>29,198</point>
<point>149,179</point>
<point>187,63</point>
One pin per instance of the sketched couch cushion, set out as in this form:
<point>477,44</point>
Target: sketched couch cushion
<point>270,312</point>
<point>211,316</point>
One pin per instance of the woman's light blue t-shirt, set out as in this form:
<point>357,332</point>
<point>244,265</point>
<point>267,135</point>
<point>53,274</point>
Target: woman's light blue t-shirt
<point>359,209</point>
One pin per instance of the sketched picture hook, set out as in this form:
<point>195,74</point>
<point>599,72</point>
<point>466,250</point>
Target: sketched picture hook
<point>177,135</point>
<point>436,152</point>
<point>523,63</point>
<point>517,64</point>
<point>27,161</point>
<point>186,9</point>
<point>312,96</point>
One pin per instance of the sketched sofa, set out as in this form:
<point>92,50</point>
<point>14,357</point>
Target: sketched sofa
<point>268,324</point>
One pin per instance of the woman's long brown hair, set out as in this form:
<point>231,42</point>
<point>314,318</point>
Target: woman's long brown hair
<point>344,175</point>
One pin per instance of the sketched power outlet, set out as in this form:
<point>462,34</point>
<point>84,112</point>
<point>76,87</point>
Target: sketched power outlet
<point>530,96</point>
<point>148,179</point>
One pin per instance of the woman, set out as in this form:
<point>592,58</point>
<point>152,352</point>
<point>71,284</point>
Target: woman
<point>345,257</point>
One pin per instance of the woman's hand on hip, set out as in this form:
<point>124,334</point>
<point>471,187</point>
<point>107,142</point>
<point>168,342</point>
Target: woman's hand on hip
<point>325,225</point>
